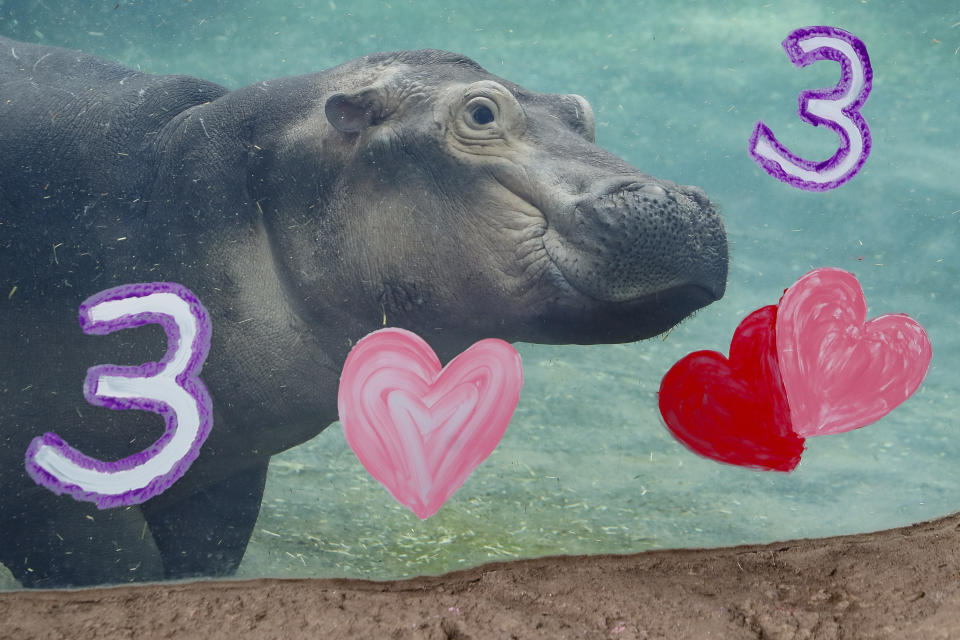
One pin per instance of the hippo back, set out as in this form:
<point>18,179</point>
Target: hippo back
<point>80,137</point>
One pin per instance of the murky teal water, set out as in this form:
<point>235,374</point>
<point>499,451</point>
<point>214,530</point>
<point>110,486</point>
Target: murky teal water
<point>586,465</point>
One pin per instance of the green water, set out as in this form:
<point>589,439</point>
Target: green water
<point>586,465</point>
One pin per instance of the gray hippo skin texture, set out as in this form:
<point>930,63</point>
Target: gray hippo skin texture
<point>409,189</point>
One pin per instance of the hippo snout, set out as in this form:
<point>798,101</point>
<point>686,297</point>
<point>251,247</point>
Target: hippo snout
<point>641,239</point>
<point>712,239</point>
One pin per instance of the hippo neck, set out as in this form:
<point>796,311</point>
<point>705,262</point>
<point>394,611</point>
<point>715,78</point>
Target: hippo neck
<point>280,372</point>
<point>286,371</point>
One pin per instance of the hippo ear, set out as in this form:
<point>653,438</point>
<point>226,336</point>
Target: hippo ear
<point>580,115</point>
<point>351,113</point>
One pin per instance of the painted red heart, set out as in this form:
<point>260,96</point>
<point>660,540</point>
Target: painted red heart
<point>419,430</point>
<point>839,371</point>
<point>735,410</point>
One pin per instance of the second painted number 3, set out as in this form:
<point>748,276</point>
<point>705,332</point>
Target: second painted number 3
<point>169,387</point>
<point>837,108</point>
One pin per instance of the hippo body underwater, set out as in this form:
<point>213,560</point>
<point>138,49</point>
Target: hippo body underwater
<point>409,189</point>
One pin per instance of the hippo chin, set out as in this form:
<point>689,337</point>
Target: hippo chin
<point>409,189</point>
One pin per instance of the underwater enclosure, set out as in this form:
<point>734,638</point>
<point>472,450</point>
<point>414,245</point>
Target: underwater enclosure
<point>587,465</point>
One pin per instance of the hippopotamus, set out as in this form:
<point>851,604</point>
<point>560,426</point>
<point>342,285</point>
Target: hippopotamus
<point>408,189</point>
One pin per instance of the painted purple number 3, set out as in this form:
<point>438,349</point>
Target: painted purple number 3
<point>170,388</point>
<point>837,108</point>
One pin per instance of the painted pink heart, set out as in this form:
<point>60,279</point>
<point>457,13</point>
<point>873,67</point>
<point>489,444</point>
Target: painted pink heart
<point>420,429</point>
<point>839,371</point>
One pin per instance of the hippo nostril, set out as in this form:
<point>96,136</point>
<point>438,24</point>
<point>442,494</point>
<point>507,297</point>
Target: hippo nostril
<point>621,187</point>
<point>653,190</point>
<point>698,195</point>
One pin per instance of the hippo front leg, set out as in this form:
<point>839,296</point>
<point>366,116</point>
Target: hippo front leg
<point>51,541</point>
<point>205,533</point>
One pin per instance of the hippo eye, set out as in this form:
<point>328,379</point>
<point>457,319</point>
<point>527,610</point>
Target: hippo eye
<point>486,114</point>
<point>482,115</point>
<point>481,112</point>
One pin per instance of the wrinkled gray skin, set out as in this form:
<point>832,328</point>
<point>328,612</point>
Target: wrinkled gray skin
<point>411,189</point>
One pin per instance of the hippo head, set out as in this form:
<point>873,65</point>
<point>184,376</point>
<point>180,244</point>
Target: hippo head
<point>460,206</point>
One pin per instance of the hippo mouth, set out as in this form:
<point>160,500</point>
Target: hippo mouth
<point>646,316</point>
<point>582,319</point>
<point>636,259</point>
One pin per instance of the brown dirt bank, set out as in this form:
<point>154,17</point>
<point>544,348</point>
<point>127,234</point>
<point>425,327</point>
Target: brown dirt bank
<point>901,583</point>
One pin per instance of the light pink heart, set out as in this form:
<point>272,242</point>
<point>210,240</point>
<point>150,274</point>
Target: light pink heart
<point>421,430</point>
<point>839,371</point>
